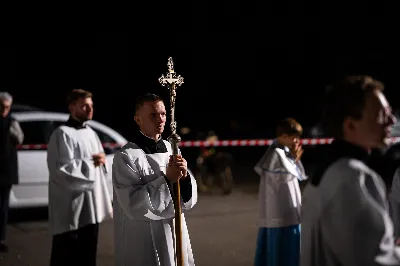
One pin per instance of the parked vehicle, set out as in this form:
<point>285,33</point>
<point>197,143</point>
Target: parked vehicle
<point>32,190</point>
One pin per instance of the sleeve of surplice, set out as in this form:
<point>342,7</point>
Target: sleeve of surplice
<point>188,187</point>
<point>75,174</point>
<point>140,200</point>
<point>353,228</point>
<point>302,173</point>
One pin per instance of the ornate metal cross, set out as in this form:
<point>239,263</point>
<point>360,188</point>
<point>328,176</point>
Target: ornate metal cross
<point>171,80</point>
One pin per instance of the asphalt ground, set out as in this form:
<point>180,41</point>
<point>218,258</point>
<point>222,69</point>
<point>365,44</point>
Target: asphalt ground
<point>222,231</point>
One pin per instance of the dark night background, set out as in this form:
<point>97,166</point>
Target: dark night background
<point>244,68</point>
<point>254,75</point>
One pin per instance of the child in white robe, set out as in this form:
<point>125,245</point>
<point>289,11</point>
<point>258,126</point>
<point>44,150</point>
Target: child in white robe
<point>280,168</point>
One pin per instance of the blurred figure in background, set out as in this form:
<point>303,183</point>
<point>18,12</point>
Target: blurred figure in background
<point>280,169</point>
<point>11,136</point>
<point>213,165</point>
<point>394,203</point>
<point>79,199</point>
<point>345,215</point>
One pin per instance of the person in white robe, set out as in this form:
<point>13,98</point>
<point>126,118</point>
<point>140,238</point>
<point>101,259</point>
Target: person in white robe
<point>143,173</point>
<point>79,198</point>
<point>345,215</point>
<point>280,169</point>
<point>394,203</point>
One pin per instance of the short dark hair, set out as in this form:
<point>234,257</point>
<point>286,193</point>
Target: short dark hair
<point>147,97</point>
<point>346,98</point>
<point>76,94</point>
<point>290,127</point>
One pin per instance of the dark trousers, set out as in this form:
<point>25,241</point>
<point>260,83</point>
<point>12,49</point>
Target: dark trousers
<point>4,206</point>
<point>78,247</point>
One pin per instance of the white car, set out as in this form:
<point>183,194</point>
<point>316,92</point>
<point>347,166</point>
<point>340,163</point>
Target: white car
<point>32,190</point>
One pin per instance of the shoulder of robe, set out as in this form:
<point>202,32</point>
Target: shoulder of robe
<point>274,158</point>
<point>347,170</point>
<point>342,176</point>
<point>90,129</point>
<point>62,130</point>
<point>131,150</point>
<point>278,153</point>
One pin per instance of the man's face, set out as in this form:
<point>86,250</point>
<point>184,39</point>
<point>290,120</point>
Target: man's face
<point>151,118</point>
<point>82,109</point>
<point>373,130</point>
<point>5,107</point>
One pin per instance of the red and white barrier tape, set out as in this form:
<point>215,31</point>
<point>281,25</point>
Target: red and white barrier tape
<point>258,142</point>
<point>217,143</point>
<point>44,146</point>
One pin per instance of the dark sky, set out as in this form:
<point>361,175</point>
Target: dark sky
<point>255,75</point>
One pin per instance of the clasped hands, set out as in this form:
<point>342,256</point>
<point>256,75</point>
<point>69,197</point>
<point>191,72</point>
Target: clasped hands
<point>176,168</point>
<point>99,159</point>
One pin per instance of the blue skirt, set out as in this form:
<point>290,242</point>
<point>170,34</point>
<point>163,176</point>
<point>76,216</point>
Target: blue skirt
<point>278,246</point>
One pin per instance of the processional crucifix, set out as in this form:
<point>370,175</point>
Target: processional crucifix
<point>172,81</point>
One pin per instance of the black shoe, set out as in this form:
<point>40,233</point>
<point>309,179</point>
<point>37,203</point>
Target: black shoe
<point>3,248</point>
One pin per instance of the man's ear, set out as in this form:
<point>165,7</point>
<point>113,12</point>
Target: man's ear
<point>137,119</point>
<point>348,124</point>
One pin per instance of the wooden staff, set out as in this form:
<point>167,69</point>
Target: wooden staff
<point>172,81</point>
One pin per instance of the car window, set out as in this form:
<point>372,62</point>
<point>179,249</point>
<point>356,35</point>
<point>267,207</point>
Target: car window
<point>104,138</point>
<point>39,132</point>
<point>109,144</point>
<point>36,132</point>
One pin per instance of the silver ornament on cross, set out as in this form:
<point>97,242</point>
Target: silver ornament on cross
<point>171,78</point>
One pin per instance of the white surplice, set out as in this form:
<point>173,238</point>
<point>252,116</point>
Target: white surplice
<point>78,193</point>
<point>345,219</point>
<point>279,191</point>
<point>144,210</point>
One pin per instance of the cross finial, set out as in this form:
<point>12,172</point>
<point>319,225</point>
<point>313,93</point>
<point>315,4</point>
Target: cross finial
<point>170,65</point>
<point>171,78</point>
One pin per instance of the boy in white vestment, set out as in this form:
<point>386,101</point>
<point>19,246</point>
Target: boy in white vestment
<point>143,173</point>
<point>280,168</point>
<point>345,215</point>
<point>79,198</point>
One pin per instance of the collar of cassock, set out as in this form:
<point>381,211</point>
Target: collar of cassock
<point>149,145</point>
<point>342,148</point>
<point>75,123</point>
<point>339,149</point>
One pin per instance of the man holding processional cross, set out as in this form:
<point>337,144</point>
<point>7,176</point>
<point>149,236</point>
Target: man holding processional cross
<point>149,176</point>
